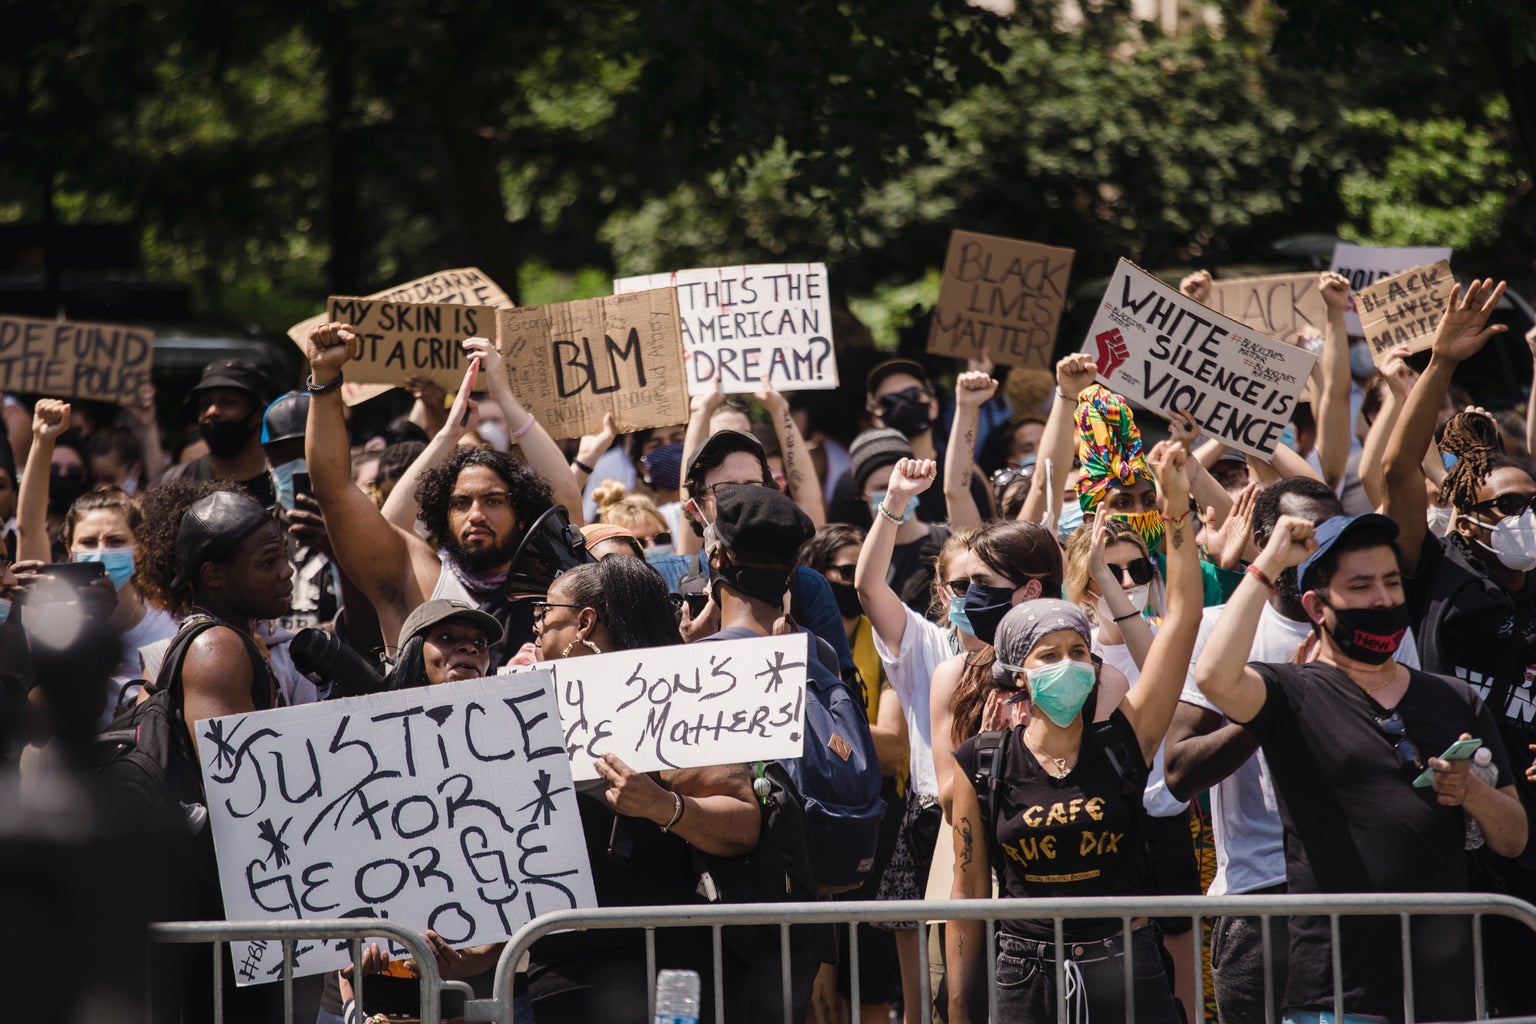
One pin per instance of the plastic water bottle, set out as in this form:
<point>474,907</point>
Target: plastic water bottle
<point>1483,766</point>
<point>677,997</point>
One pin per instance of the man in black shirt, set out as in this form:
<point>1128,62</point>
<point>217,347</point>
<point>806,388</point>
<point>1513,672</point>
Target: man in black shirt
<point>1346,737</point>
<point>229,400</point>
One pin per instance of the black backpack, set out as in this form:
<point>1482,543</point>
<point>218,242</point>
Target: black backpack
<point>146,753</point>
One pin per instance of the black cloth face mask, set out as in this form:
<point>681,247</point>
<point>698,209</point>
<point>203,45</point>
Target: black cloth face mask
<point>1369,635</point>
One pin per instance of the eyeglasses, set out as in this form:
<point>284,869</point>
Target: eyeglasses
<point>540,607</point>
<point>727,486</point>
<point>958,587</point>
<point>1407,753</point>
<point>843,573</point>
<point>661,539</point>
<point>1506,504</point>
<point>1141,570</point>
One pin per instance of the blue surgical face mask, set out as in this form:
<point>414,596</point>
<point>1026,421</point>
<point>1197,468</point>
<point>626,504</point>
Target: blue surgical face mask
<point>5,609</point>
<point>1061,689</point>
<point>1361,365</point>
<point>957,615</point>
<point>1288,437</point>
<point>878,498</point>
<point>117,561</point>
<point>1071,518</point>
<point>1447,460</point>
<point>282,481</point>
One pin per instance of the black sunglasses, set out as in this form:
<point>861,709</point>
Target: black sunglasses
<point>1407,753</point>
<point>1507,504</point>
<point>843,573</point>
<point>663,538</point>
<point>886,403</point>
<point>1141,570</point>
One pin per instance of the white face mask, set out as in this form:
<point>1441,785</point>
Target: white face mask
<point>1137,595</point>
<point>1439,520</point>
<point>495,435</point>
<point>1513,541</point>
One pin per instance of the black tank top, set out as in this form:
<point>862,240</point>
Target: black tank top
<point>1080,835</point>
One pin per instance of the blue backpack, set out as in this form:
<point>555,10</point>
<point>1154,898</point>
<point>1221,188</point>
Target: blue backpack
<point>837,779</point>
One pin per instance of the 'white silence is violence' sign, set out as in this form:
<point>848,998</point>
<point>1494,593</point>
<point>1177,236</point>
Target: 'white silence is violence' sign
<point>1164,351</point>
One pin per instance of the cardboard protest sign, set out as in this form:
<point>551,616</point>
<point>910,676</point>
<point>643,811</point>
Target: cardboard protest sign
<point>686,706</point>
<point>449,807</point>
<point>74,359</point>
<point>1405,309</point>
<point>1276,306</point>
<point>1363,265</point>
<point>1163,350</point>
<point>769,322</point>
<point>465,286</point>
<point>1001,295</point>
<point>574,361</point>
<point>404,339</point>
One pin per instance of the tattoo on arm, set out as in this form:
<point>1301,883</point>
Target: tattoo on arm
<point>966,850</point>
<point>792,473</point>
<point>1176,537</point>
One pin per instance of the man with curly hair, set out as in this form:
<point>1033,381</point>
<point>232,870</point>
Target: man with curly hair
<point>478,505</point>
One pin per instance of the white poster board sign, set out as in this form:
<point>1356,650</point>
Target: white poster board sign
<point>1163,350</point>
<point>448,807</point>
<point>1363,265</point>
<point>768,322</point>
<point>688,706</point>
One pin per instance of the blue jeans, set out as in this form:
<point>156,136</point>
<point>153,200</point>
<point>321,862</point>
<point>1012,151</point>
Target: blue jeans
<point>1094,973</point>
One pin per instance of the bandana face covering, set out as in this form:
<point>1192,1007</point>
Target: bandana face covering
<point>1148,526</point>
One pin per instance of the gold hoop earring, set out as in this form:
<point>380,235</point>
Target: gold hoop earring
<point>588,644</point>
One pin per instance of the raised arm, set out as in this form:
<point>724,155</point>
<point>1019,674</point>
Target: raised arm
<point>1530,404</point>
<point>1463,331</point>
<point>965,942</point>
<point>1208,494</point>
<point>1373,451</point>
<point>972,390</point>
<point>700,409</point>
<point>1133,628</point>
<point>1202,749</point>
<point>800,479</point>
<point>1334,429</point>
<point>381,559</point>
<point>1222,672</point>
<point>590,448</point>
<point>1149,704</point>
<point>1057,441</point>
<point>541,453</point>
<point>884,609</point>
<point>50,418</point>
<point>146,430</point>
<point>400,509</point>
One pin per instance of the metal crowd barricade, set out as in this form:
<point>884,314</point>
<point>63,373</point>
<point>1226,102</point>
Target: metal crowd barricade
<point>1476,906</point>
<point>356,930</point>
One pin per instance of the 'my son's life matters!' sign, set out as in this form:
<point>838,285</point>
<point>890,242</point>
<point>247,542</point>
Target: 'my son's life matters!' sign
<point>410,339</point>
<point>571,362</point>
<point>1165,351</point>
<point>748,326</point>
<point>74,359</point>
<point>447,807</point>
<point>1002,296</point>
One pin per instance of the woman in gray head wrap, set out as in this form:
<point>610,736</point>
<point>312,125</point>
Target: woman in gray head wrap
<point>1062,814</point>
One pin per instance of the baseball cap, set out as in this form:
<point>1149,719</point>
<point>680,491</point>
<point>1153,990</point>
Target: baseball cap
<point>761,525</point>
<point>880,371</point>
<point>213,529</point>
<point>285,418</point>
<point>1331,531</point>
<point>875,449</point>
<point>720,444</point>
<point>596,533</point>
<point>236,373</point>
<point>430,613</point>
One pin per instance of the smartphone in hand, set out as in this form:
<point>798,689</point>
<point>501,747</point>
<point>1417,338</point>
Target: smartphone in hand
<point>1458,751</point>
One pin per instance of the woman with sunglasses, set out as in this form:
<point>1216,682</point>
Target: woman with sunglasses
<point>640,827</point>
<point>1062,813</point>
<point>1471,594</point>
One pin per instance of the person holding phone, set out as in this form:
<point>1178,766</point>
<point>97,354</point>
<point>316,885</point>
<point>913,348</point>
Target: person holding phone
<point>1345,736</point>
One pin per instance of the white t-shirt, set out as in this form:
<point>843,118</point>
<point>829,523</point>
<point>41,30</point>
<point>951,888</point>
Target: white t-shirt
<point>156,624</point>
<point>1156,799</point>
<point>924,647</point>
<point>1250,842</point>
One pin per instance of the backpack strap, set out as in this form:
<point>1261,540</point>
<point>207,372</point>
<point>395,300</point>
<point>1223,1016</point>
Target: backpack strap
<point>991,757</point>
<point>195,625</point>
<point>1127,764</point>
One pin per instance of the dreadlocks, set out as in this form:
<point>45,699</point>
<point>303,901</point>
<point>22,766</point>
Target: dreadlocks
<point>1473,437</point>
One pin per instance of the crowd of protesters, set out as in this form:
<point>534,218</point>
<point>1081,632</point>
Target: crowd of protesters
<point>1088,663</point>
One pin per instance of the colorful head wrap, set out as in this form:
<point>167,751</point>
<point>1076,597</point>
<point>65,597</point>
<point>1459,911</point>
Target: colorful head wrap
<point>1108,446</point>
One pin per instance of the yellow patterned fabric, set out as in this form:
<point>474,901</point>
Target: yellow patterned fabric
<point>1108,446</point>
